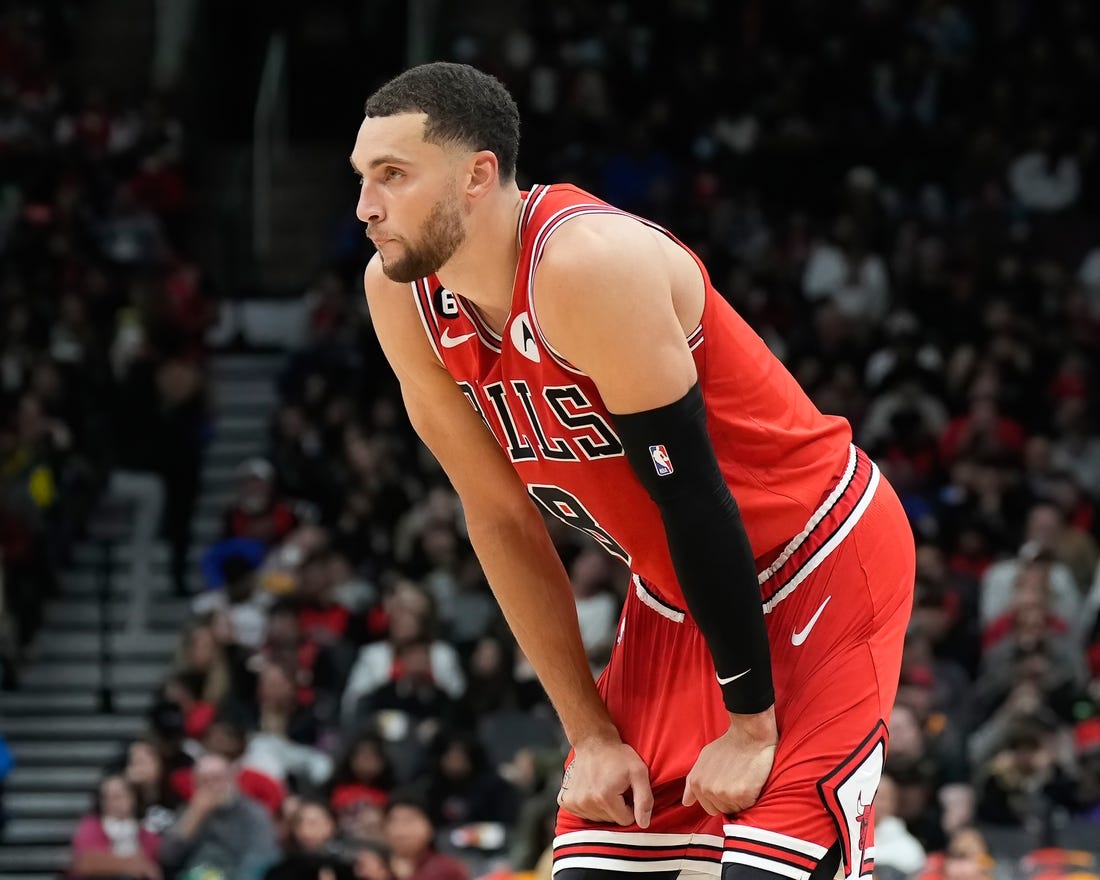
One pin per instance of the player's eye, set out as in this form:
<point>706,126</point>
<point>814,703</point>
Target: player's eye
<point>393,174</point>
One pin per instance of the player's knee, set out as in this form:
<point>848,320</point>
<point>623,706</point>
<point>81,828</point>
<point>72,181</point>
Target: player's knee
<point>826,869</point>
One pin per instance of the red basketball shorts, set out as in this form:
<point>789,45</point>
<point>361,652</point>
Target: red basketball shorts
<point>837,604</point>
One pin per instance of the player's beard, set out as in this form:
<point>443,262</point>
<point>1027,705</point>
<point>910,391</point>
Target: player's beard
<point>441,235</point>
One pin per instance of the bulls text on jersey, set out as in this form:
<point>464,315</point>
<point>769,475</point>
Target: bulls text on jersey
<point>578,431</point>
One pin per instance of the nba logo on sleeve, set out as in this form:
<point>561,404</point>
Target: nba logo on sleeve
<point>661,461</point>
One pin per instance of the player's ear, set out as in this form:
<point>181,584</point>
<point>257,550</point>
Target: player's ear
<point>483,175</point>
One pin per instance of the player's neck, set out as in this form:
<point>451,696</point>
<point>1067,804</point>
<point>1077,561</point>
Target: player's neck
<point>483,270</point>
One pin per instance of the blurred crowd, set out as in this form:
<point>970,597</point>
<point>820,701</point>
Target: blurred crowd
<point>902,197</point>
<point>102,315</point>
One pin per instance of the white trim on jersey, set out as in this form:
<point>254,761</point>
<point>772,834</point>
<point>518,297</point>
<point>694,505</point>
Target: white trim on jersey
<point>828,547</point>
<point>647,598</point>
<point>416,287</point>
<point>637,838</point>
<point>541,237</point>
<point>534,196</point>
<point>485,333</point>
<point>637,843</point>
<point>697,866</point>
<point>763,835</point>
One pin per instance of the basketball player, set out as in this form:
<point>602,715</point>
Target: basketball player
<point>559,356</point>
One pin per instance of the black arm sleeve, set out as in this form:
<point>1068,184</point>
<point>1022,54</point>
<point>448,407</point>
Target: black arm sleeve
<point>671,453</point>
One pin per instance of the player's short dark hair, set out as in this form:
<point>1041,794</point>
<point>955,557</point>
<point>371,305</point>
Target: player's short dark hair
<point>463,104</point>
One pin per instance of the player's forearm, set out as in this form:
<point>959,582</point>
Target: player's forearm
<point>710,550</point>
<point>533,590</point>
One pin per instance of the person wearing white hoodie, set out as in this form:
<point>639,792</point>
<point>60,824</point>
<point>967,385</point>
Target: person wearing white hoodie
<point>895,847</point>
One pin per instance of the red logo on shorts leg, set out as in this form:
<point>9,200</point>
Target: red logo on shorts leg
<point>863,817</point>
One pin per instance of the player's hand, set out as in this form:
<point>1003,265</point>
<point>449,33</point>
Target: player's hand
<point>730,772</point>
<point>597,780</point>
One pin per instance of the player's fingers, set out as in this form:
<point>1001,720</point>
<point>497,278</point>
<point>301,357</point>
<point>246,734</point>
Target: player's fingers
<point>706,801</point>
<point>689,793</point>
<point>620,811</point>
<point>642,795</point>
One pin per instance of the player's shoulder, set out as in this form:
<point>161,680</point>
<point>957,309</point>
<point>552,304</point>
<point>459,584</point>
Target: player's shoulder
<point>595,245</point>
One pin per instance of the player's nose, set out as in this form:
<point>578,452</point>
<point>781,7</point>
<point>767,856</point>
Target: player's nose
<point>369,209</point>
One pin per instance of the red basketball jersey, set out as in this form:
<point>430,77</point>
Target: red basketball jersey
<point>778,453</point>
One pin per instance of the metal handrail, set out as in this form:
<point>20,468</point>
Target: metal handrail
<point>269,136</point>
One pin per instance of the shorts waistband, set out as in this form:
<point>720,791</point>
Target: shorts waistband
<point>829,525</point>
<point>826,529</point>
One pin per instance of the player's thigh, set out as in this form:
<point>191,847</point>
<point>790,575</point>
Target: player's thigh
<point>824,779</point>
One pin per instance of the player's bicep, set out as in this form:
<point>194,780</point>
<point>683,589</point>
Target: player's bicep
<point>604,301</point>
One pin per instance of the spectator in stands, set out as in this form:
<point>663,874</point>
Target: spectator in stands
<point>257,775</point>
<point>916,774</point>
<point>365,764</point>
<point>312,846</point>
<point>279,712</point>
<point>324,620</point>
<point>1026,701</point>
<point>946,609</point>
<point>591,575</point>
<point>234,592</point>
<point>360,814</point>
<point>411,703</point>
<point>957,807</point>
<point>184,690</point>
<point>1024,785</point>
<point>409,612</point>
<point>895,847</point>
<point>318,675</point>
<point>410,837</point>
<point>110,842</point>
<point>984,432</point>
<point>285,732</point>
<point>257,511</point>
<point>999,580</point>
<point>461,787</point>
<point>490,675</point>
<point>1030,617</point>
<point>1031,653</point>
<point>202,655</point>
<point>966,857</point>
<point>146,772</point>
<point>220,828</point>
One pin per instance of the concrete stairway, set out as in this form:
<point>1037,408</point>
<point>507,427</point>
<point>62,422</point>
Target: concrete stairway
<point>55,723</point>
